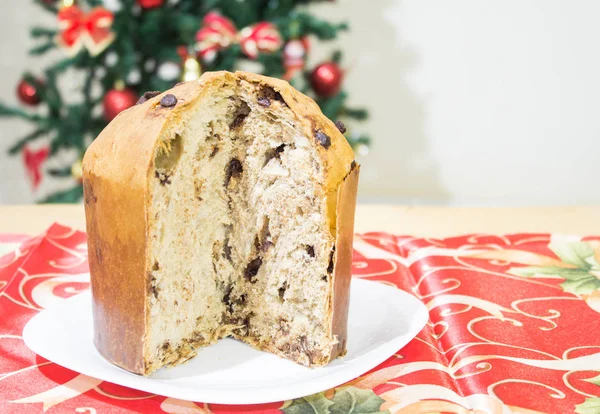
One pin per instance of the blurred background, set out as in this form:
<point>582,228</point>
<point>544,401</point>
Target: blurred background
<point>469,102</point>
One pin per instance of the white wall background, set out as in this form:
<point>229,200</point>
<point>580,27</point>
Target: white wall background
<point>472,102</point>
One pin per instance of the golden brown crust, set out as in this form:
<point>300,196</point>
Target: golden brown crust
<point>116,226</point>
<point>116,168</point>
<point>116,172</point>
<point>346,204</point>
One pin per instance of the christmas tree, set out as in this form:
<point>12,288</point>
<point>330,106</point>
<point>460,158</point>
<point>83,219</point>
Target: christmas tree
<point>124,48</point>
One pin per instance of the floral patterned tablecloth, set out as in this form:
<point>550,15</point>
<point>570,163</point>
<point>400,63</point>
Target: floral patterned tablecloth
<point>514,328</point>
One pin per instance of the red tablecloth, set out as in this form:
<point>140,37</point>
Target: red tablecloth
<point>514,328</point>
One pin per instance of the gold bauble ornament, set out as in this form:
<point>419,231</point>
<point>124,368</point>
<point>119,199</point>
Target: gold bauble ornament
<point>191,70</point>
<point>76,170</point>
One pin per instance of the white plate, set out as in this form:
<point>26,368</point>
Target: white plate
<point>382,320</point>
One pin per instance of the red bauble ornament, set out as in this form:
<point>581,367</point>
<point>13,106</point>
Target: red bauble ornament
<point>117,100</point>
<point>28,93</point>
<point>326,79</point>
<point>150,4</point>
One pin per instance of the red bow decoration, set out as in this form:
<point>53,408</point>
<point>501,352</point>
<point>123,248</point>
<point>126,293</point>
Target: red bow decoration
<point>33,162</point>
<point>219,32</point>
<point>80,30</point>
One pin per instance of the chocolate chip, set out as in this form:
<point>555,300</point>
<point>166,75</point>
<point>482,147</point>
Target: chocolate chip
<point>241,112</point>
<point>242,299</point>
<point>274,153</point>
<point>308,349</point>
<point>352,165</point>
<point>323,139</point>
<point>227,298</point>
<point>256,243</point>
<point>252,270</point>
<point>164,178</point>
<point>147,96</point>
<point>272,95</point>
<point>235,166</point>
<point>156,266</point>
<point>330,267</point>
<point>264,101</point>
<point>238,121</point>
<point>227,250</point>
<point>168,100</point>
<point>282,290</point>
<point>340,126</point>
<point>234,169</point>
<point>215,149</point>
<point>310,250</point>
<point>152,288</point>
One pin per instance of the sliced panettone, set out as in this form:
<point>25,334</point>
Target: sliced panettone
<point>223,207</point>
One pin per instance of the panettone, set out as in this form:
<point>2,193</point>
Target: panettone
<point>222,207</point>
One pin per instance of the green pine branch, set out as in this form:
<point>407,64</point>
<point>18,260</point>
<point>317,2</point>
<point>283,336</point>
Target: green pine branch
<point>332,106</point>
<point>87,89</point>
<point>47,6</point>
<point>37,31</point>
<point>10,111</point>
<point>64,64</point>
<point>300,24</point>
<point>272,64</point>
<point>43,48</point>
<point>60,172</point>
<point>337,56</point>
<point>18,146</point>
<point>359,114</point>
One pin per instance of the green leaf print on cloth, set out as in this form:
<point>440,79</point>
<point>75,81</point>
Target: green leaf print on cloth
<point>581,273</point>
<point>595,380</point>
<point>353,400</point>
<point>311,404</point>
<point>590,406</point>
<point>347,400</point>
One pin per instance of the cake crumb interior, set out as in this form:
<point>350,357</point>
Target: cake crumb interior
<point>239,241</point>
